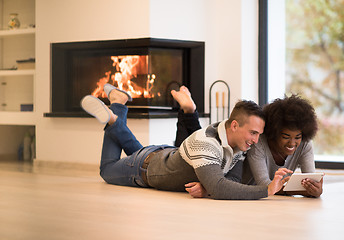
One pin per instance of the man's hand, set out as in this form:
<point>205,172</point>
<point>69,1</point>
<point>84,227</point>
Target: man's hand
<point>278,181</point>
<point>196,190</point>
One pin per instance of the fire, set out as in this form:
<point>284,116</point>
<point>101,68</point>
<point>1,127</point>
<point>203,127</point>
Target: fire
<point>99,91</point>
<point>127,68</point>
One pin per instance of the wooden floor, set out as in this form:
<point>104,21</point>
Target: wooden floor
<point>43,203</point>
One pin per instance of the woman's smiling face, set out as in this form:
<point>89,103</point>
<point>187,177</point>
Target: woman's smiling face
<point>288,141</point>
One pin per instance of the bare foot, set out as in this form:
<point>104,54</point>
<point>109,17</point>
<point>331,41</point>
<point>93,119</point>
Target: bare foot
<point>118,97</point>
<point>183,97</point>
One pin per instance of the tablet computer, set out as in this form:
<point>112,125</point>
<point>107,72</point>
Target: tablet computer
<point>294,183</point>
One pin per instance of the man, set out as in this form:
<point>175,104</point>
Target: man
<point>208,156</point>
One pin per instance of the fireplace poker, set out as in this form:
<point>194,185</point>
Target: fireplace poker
<point>223,105</point>
<point>217,106</point>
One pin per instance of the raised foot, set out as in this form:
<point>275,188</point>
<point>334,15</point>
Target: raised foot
<point>116,95</point>
<point>97,109</point>
<point>183,97</point>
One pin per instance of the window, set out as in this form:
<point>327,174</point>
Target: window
<point>305,54</point>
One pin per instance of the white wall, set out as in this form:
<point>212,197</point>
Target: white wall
<point>249,50</point>
<point>223,57</point>
<point>217,22</point>
<point>230,31</point>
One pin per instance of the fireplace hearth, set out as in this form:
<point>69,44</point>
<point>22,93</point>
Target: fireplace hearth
<point>148,68</point>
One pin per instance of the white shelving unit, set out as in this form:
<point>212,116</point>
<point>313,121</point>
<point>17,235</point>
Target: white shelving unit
<point>16,32</point>
<point>17,87</point>
<point>17,117</point>
<point>26,72</point>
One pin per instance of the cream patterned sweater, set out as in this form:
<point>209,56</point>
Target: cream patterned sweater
<point>206,147</point>
<point>208,152</point>
<point>204,157</point>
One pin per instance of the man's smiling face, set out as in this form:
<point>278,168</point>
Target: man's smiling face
<point>248,133</point>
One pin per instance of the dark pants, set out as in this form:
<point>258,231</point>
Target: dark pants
<point>186,125</point>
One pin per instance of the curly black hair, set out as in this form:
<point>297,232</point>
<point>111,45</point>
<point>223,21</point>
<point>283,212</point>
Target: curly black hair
<point>293,113</point>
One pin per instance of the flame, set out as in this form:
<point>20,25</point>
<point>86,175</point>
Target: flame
<point>99,91</point>
<point>126,68</point>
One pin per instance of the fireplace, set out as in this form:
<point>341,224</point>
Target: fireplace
<point>148,68</point>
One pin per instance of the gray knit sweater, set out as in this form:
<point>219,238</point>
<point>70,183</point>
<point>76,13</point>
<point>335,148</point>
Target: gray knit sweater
<point>204,156</point>
<point>260,166</point>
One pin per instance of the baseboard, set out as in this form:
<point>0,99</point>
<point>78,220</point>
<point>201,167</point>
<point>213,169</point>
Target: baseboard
<point>8,157</point>
<point>66,165</point>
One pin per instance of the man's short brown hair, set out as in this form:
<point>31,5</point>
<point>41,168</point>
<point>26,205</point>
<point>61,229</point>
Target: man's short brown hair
<point>244,109</point>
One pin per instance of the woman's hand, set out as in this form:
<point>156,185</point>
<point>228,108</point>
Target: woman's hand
<point>196,190</point>
<point>313,188</point>
<point>278,181</point>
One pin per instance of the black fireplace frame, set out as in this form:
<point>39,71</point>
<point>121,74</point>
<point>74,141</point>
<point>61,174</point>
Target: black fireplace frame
<point>193,78</point>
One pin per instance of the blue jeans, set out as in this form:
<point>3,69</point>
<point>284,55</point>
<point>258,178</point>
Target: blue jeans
<point>118,137</point>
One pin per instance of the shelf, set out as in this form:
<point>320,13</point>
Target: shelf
<point>16,32</point>
<point>17,118</point>
<point>26,72</point>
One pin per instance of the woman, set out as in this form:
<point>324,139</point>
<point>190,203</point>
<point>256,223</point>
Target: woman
<point>290,125</point>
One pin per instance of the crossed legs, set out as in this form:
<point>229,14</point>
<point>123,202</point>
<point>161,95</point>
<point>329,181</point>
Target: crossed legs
<point>118,137</point>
